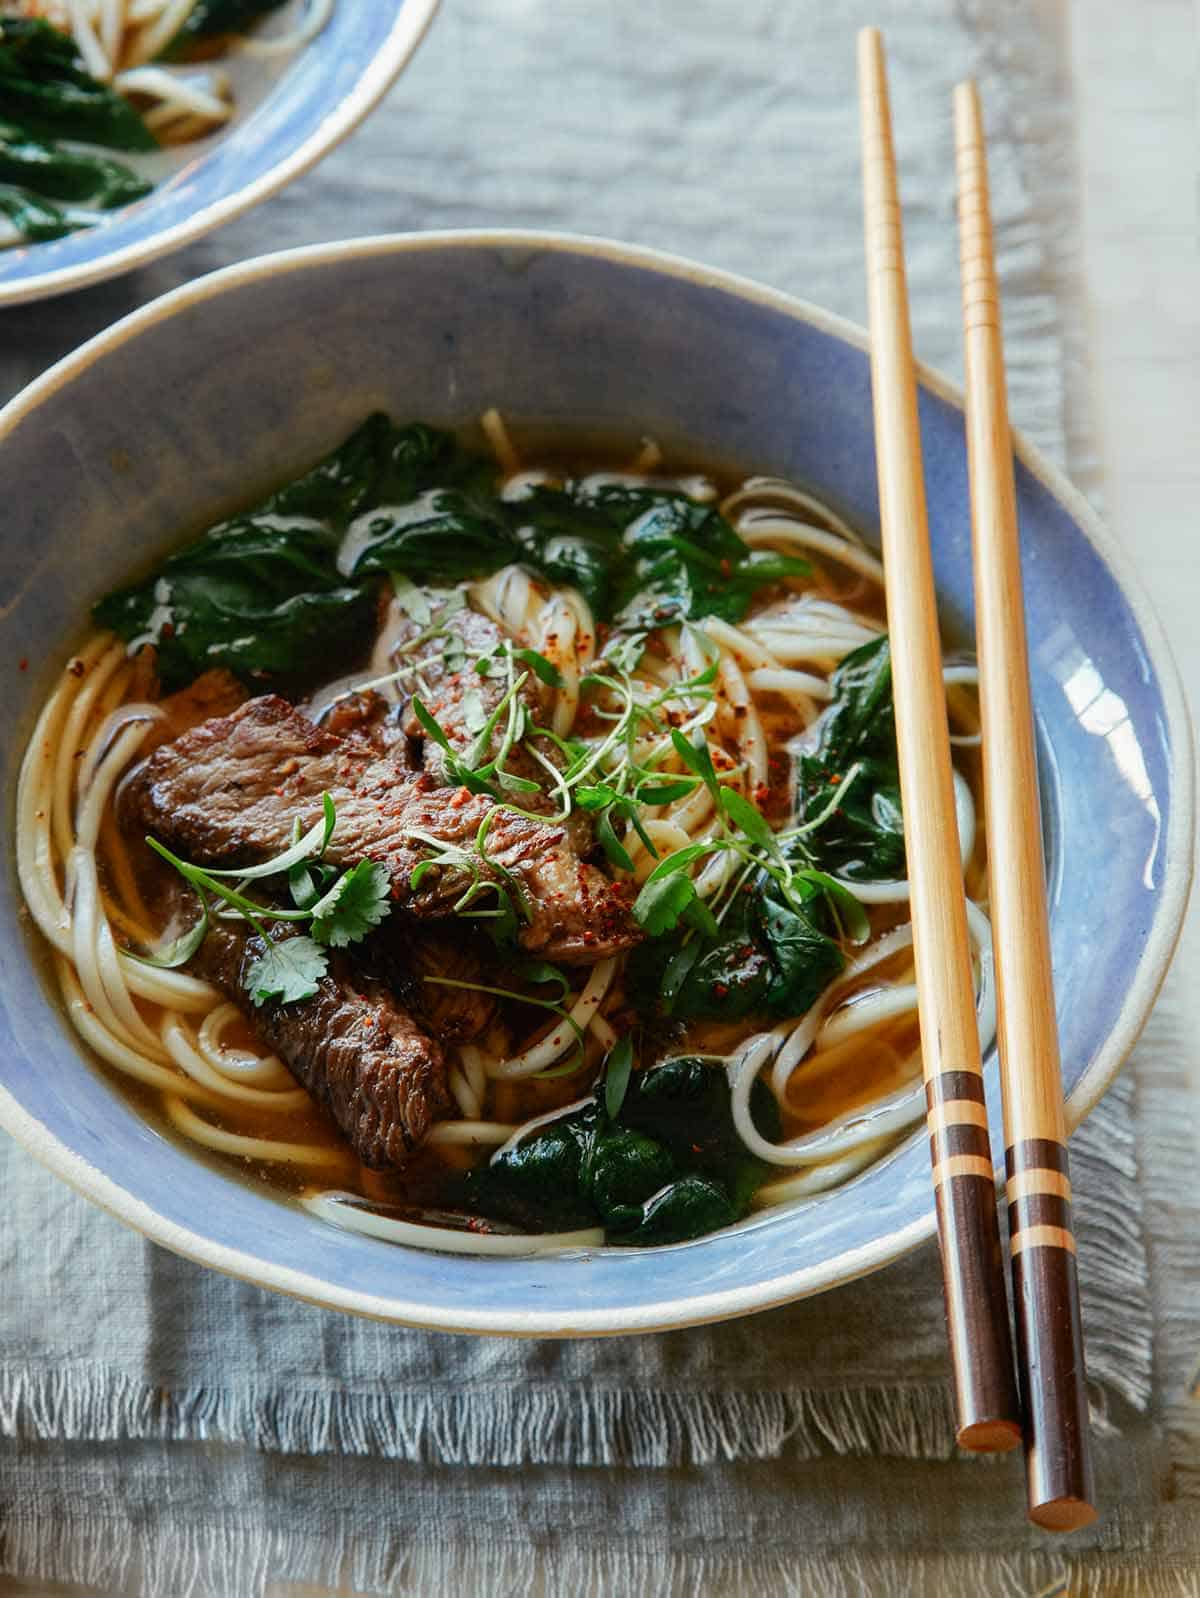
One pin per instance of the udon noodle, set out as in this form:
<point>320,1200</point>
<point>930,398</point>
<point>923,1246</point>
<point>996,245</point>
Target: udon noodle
<point>845,1073</point>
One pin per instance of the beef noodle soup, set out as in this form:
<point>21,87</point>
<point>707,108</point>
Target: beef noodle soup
<point>499,854</point>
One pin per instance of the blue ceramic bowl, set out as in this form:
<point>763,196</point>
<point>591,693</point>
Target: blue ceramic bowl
<point>103,464</point>
<point>317,98</point>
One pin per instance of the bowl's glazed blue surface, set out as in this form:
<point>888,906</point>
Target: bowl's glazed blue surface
<point>193,405</point>
<point>321,94</point>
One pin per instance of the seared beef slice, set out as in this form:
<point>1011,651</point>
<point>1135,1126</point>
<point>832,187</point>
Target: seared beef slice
<point>355,1050</point>
<point>230,791</point>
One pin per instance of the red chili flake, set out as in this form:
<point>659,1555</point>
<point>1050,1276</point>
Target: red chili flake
<point>726,568</point>
<point>720,989</point>
<point>835,779</point>
<point>23,663</point>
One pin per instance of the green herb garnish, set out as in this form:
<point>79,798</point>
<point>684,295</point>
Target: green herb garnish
<point>338,907</point>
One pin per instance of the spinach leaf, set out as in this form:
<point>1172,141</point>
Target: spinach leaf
<point>804,959</point>
<point>340,484</point>
<point>686,562</point>
<point>863,838</point>
<point>45,87</point>
<point>691,1207</point>
<point>860,722</point>
<point>268,592</point>
<point>625,1169</point>
<point>52,173</point>
<point>214,19</point>
<point>644,556</point>
<point>440,536</point>
<point>768,957</point>
<point>539,1183</point>
<point>567,551</point>
<point>39,220</point>
<point>685,1104</point>
<point>260,597</point>
<point>670,1167</point>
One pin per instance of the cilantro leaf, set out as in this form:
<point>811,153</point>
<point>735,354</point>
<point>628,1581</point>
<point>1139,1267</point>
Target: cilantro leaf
<point>289,970</point>
<point>662,901</point>
<point>358,901</point>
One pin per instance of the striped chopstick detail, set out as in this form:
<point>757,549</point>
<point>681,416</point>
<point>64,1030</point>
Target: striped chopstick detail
<point>1039,1196</point>
<point>956,1113</point>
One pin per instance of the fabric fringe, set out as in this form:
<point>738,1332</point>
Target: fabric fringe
<point>224,1561</point>
<point>1167,1115</point>
<point>489,1425</point>
<point>1114,1264</point>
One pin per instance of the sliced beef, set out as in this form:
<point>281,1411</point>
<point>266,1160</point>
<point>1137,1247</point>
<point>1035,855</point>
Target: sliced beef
<point>230,791</point>
<point>368,715</point>
<point>213,693</point>
<point>407,956</point>
<point>353,1047</point>
<point>461,699</point>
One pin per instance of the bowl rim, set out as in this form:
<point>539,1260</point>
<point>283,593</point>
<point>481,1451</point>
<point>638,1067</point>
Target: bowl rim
<point>1153,959</point>
<point>380,72</point>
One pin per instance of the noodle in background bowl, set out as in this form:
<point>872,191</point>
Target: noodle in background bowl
<point>105,468</point>
<point>294,110</point>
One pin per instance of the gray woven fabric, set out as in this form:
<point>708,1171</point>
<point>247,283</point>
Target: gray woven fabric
<point>174,1432</point>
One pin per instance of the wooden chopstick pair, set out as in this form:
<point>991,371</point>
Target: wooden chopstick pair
<point>1042,1246</point>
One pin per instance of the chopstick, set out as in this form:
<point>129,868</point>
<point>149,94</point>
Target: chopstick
<point>964,1182</point>
<point>1042,1243</point>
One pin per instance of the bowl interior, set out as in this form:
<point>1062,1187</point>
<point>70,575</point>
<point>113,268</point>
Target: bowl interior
<point>192,406</point>
<point>293,111</point>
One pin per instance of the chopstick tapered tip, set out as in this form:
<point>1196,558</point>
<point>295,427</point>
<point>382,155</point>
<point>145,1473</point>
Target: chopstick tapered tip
<point>870,52</point>
<point>968,114</point>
